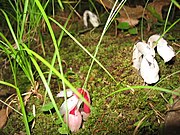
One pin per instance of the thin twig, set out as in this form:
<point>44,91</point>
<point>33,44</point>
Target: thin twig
<point>156,112</point>
<point>10,107</point>
<point>139,124</point>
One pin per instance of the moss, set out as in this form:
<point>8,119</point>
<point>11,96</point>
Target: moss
<point>116,114</point>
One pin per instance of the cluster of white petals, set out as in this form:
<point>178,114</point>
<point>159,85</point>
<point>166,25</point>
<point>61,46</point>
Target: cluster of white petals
<point>144,57</point>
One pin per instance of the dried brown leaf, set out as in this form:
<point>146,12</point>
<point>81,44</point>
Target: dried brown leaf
<point>130,15</point>
<point>175,97</point>
<point>106,3</point>
<point>157,5</point>
<point>132,22</point>
<point>3,118</point>
<point>131,12</point>
<point>127,14</point>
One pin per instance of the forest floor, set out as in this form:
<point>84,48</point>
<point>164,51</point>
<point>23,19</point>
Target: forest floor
<point>138,111</point>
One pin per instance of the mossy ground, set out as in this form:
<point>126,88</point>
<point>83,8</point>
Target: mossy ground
<point>116,114</point>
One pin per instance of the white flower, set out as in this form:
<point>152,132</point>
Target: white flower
<point>94,20</point>
<point>163,49</point>
<point>140,50</point>
<point>144,61</point>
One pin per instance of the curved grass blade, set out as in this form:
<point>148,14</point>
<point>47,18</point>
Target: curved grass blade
<point>143,87</point>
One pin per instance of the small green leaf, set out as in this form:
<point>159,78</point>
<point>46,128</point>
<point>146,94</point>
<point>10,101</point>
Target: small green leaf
<point>47,107</point>
<point>170,37</point>
<point>136,123</point>
<point>123,26</point>
<point>143,124</point>
<point>63,129</point>
<point>57,122</point>
<point>133,31</point>
<point>171,101</point>
<point>30,116</point>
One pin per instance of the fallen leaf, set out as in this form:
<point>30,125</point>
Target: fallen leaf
<point>172,120</point>
<point>106,3</point>
<point>132,22</point>
<point>153,12</point>
<point>127,14</point>
<point>158,5</point>
<point>3,118</point>
<point>131,12</point>
<point>130,15</point>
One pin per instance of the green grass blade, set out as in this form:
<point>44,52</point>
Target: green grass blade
<point>54,43</point>
<point>24,19</point>
<point>167,16</point>
<point>11,29</point>
<point>176,3</point>
<point>111,17</point>
<point>142,87</point>
<point>60,4</point>
<point>50,30</point>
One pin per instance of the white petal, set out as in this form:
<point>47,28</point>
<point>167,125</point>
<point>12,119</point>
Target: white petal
<point>85,16</point>
<point>71,103</point>
<point>152,40</point>
<point>137,58</point>
<point>85,115</point>
<point>68,92</point>
<point>94,20</point>
<point>166,52</point>
<point>146,50</point>
<point>86,109</point>
<point>149,71</point>
<point>89,100</point>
